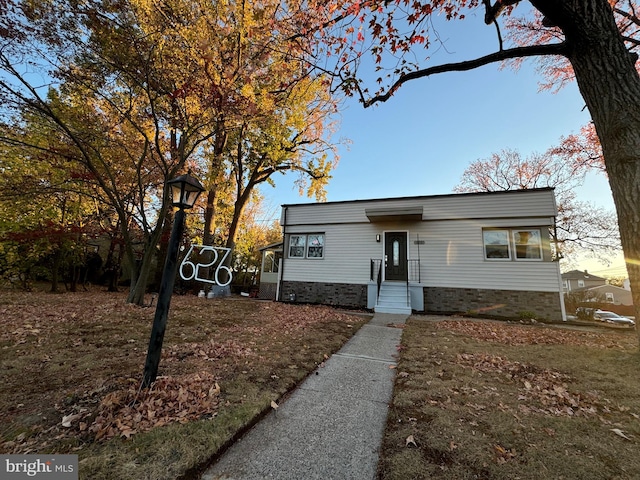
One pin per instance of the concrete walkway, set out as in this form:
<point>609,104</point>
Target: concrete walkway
<point>331,426</point>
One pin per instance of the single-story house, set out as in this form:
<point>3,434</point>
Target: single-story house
<point>484,253</point>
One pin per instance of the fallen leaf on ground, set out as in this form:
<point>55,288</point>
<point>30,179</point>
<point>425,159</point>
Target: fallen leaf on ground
<point>67,420</point>
<point>510,334</point>
<point>213,391</point>
<point>620,433</point>
<point>504,454</point>
<point>411,442</point>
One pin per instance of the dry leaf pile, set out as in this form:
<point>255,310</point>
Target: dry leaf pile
<point>168,400</point>
<point>514,334</point>
<point>540,390</point>
<point>209,351</point>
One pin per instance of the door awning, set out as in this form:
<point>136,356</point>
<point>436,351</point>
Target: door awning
<point>411,214</point>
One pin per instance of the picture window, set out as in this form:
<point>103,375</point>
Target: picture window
<point>512,244</point>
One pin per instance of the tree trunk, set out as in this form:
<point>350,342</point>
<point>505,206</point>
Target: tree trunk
<point>138,290</point>
<point>214,173</point>
<point>163,248</point>
<point>112,266</point>
<point>55,271</point>
<point>238,208</point>
<point>209,216</point>
<point>610,85</point>
<point>75,271</point>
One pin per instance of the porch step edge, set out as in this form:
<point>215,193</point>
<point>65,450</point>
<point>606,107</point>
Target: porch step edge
<point>392,309</point>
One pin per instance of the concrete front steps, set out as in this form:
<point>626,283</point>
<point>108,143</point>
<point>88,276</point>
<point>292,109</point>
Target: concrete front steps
<point>393,298</point>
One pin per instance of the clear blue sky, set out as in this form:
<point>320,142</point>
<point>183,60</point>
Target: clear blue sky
<point>421,140</point>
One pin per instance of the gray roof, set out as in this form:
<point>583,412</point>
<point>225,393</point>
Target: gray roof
<point>271,246</point>
<point>581,275</point>
<point>497,192</point>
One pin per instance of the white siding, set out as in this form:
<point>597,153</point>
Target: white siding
<point>498,205</point>
<point>528,203</point>
<point>452,255</point>
<point>324,213</point>
<point>347,254</point>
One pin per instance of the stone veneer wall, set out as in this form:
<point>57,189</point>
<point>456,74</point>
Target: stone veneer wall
<point>342,294</point>
<point>495,303</point>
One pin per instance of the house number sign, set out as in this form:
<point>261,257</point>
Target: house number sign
<point>194,268</point>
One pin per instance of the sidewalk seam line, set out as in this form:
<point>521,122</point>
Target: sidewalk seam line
<point>364,357</point>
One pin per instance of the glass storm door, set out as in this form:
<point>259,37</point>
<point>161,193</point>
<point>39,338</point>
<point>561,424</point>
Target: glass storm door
<point>395,258</point>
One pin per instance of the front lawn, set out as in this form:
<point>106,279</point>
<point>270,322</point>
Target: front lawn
<point>72,366</point>
<point>493,400</point>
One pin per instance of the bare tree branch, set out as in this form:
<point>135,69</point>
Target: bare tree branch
<point>518,52</point>
<point>501,46</point>
<point>628,16</point>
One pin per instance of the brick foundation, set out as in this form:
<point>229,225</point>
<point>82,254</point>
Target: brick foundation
<point>339,294</point>
<point>437,300</point>
<point>494,303</point>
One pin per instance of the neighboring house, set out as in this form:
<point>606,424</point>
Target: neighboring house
<point>607,294</point>
<point>486,253</point>
<point>579,279</point>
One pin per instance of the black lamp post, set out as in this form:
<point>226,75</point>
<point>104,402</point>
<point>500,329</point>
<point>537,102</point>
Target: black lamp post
<point>185,190</point>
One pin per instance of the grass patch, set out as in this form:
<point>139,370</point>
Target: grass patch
<point>79,357</point>
<point>493,400</point>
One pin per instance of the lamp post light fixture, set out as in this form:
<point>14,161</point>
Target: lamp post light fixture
<point>185,190</point>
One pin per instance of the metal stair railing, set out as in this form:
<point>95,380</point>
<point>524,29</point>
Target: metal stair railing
<point>413,275</point>
<point>413,267</point>
<point>375,274</point>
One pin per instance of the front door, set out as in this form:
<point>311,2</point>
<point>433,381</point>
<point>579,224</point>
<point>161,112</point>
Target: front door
<point>395,258</point>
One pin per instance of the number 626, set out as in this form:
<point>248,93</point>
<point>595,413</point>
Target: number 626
<point>195,267</point>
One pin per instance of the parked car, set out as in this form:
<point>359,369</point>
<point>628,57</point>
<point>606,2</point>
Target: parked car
<point>610,317</point>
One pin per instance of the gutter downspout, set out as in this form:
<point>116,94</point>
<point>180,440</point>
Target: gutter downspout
<point>284,239</point>
<point>560,283</point>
